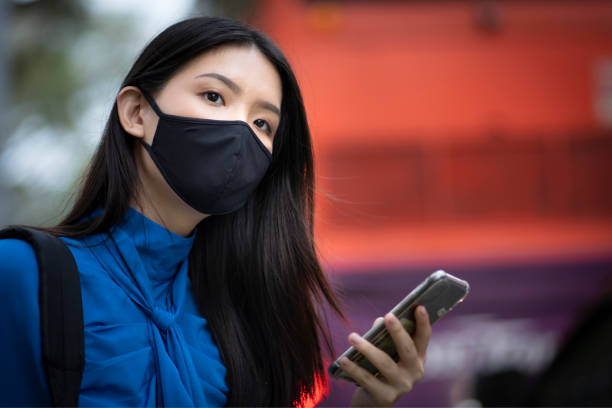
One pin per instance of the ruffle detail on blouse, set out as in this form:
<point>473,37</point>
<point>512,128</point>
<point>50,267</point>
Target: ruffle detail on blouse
<point>145,341</point>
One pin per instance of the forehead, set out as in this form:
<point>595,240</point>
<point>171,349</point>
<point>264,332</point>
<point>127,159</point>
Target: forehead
<point>243,64</point>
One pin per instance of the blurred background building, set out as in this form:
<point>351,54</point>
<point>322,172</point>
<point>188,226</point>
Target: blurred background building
<point>471,136</point>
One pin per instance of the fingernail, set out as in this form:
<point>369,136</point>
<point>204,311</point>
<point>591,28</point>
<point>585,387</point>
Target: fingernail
<point>423,311</point>
<point>354,338</point>
<point>390,318</point>
<point>344,361</point>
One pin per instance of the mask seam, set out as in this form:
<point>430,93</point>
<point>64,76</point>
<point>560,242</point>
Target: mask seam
<point>229,177</point>
<point>231,173</point>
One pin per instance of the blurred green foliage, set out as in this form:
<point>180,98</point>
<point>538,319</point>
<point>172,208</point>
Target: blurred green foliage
<point>241,10</point>
<point>43,76</point>
<point>66,61</point>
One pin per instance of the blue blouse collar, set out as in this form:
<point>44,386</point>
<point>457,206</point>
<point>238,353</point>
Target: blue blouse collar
<point>159,247</point>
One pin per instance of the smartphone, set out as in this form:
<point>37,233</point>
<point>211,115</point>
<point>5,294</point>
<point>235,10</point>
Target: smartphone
<point>439,293</point>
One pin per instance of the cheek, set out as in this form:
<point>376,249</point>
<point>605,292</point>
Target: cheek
<point>151,177</point>
<point>266,142</point>
<point>150,125</point>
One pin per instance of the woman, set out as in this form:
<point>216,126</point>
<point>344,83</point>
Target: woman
<point>193,236</point>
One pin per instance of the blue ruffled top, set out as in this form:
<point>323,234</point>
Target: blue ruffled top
<point>146,343</point>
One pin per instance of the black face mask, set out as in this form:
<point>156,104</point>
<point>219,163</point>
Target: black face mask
<point>212,165</point>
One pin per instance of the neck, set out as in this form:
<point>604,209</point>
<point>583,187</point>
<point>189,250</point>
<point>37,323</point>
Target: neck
<point>180,224</point>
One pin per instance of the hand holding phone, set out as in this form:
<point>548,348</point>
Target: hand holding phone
<point>439,293</point>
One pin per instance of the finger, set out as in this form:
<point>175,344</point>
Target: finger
<point>377,321</point>
<point>376,356</point>
<point>423,332</point>
<point>406,349</point>
<point>366,380</point>
<point>410,362</point>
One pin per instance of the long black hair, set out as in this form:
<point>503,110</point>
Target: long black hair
<point>255,273</point>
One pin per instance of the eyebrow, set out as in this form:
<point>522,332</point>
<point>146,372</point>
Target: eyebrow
<point>268,106</point>
<point>230,84</point>
<point>238,90</point>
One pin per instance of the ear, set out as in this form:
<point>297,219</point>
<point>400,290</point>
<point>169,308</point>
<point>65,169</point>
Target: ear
<point>131,110</point>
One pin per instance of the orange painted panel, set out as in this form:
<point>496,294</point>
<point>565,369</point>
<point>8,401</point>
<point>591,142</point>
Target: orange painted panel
<point>428,113</point>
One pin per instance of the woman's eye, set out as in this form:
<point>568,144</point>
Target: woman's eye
<point>214,97</point>
<point>263,125</point>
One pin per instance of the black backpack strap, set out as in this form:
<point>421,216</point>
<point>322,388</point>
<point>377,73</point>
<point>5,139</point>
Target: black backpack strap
<point>61,313</point>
